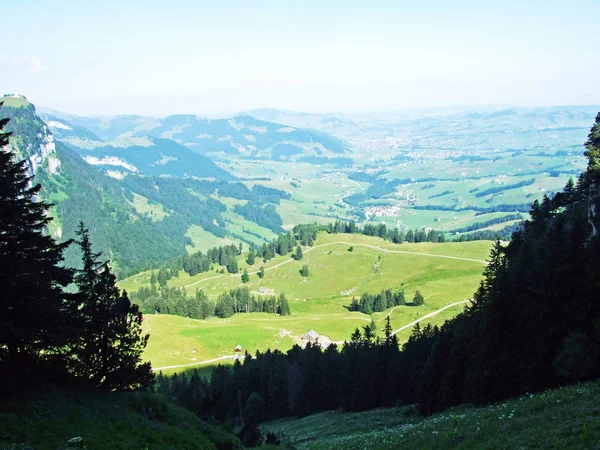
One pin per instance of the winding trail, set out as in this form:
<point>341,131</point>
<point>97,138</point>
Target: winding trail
<point>208,361</point>
<point>427,316</point>
<point>310,249</point>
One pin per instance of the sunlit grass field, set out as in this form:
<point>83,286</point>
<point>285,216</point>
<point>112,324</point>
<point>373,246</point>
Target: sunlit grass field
<point>320,300</point>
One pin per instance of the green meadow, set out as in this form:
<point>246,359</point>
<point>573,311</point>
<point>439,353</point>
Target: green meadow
<point>556,419</point>
<point>444,273</point>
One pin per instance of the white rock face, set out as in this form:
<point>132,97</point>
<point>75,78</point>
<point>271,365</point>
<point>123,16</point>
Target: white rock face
<point>46,149</point>
<point>110,161</point>
<point>59,125</point>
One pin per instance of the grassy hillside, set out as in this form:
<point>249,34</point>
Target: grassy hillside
<point>48,419</point>
<point>557,419</point>
<point>444,273</point>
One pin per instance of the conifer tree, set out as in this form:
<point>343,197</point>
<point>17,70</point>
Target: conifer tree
<point>245,276</point>
<point>35,312</point>
<point>298,255</point>
<point>251,258</point>
<point>304,271</point>
<point>110,351</point>
<point>284,305</point>
<point>261,272</point>
<point>592,152</point>
<point>418,300</point>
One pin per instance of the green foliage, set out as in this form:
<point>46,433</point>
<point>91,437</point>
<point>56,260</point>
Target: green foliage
<point>592,146</point>
<point>563,418</point>
<point>304,270</point>
<point>48,418</point>
<point>418,299</point>
<point>251,258</point>
<point>232,266</point>
<point>174,301</point>
<point>284,306</point>
<point>298,254</point>
<point>265,216</point>
<point>245,276</point>
<point>112,343</point>
<point>254,411</point>
<point>36,314</point>
<point>370,303</point>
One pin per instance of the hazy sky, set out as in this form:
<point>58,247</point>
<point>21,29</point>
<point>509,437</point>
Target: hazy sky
<point>179,56</point>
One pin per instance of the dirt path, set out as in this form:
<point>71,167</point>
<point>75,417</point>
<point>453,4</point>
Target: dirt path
<point>427,316</point>
<point>310,249</point>
<point>412,324</point>
<point>199,363</point>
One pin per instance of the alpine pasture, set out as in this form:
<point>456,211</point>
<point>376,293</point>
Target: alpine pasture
<point>445,274</point>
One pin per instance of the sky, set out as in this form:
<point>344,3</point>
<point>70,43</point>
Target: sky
<point>217,58</point>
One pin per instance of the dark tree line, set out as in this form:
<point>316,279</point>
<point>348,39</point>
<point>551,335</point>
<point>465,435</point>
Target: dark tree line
<point>226,256</point>
<point>478,225</point>
<point>533,324</point>
<point>381,230</point>
<point>504,234</point>
<point>89,333</point>
<point>167,300</point>
<point>370,303</point>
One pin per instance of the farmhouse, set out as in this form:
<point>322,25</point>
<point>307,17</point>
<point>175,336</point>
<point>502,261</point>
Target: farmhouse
<point>312,336</point>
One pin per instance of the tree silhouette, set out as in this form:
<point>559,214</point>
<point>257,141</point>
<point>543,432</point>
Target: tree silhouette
<point>110,351</point>
<point>36,315</point>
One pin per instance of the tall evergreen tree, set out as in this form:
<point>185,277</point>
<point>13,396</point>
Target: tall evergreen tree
<point>592,152</point>
<point>110,351</point>
<point>418,300</point>
<point>245,276</point>
<point>35,312</point>
<point>298,254</point>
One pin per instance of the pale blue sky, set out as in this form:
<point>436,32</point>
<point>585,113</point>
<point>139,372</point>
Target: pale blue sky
<point>178,56</point>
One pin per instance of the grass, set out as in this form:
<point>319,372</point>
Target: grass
<point>203,240</point>
<point>48,418</point>
<point>557,419</point>
<point>320,301</point>
<point>14,102</point>
<point>142,206</point>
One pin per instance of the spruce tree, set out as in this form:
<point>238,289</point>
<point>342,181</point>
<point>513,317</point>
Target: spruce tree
<point>284,305</point>
<point>110,351</point>
<point>304,271</point>
<point>261,272</point>
<point>251,258</point>
<point>245,276</point>
<point>35,313</point>
<point>298,255</point>
<point>418,300</point>
<point>592,175</point>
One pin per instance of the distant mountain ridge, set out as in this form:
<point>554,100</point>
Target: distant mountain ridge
<point>137,216</point>
<point>241,136</point>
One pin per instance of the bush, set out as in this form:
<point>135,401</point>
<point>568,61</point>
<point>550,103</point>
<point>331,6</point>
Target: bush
<point>250,436</point>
